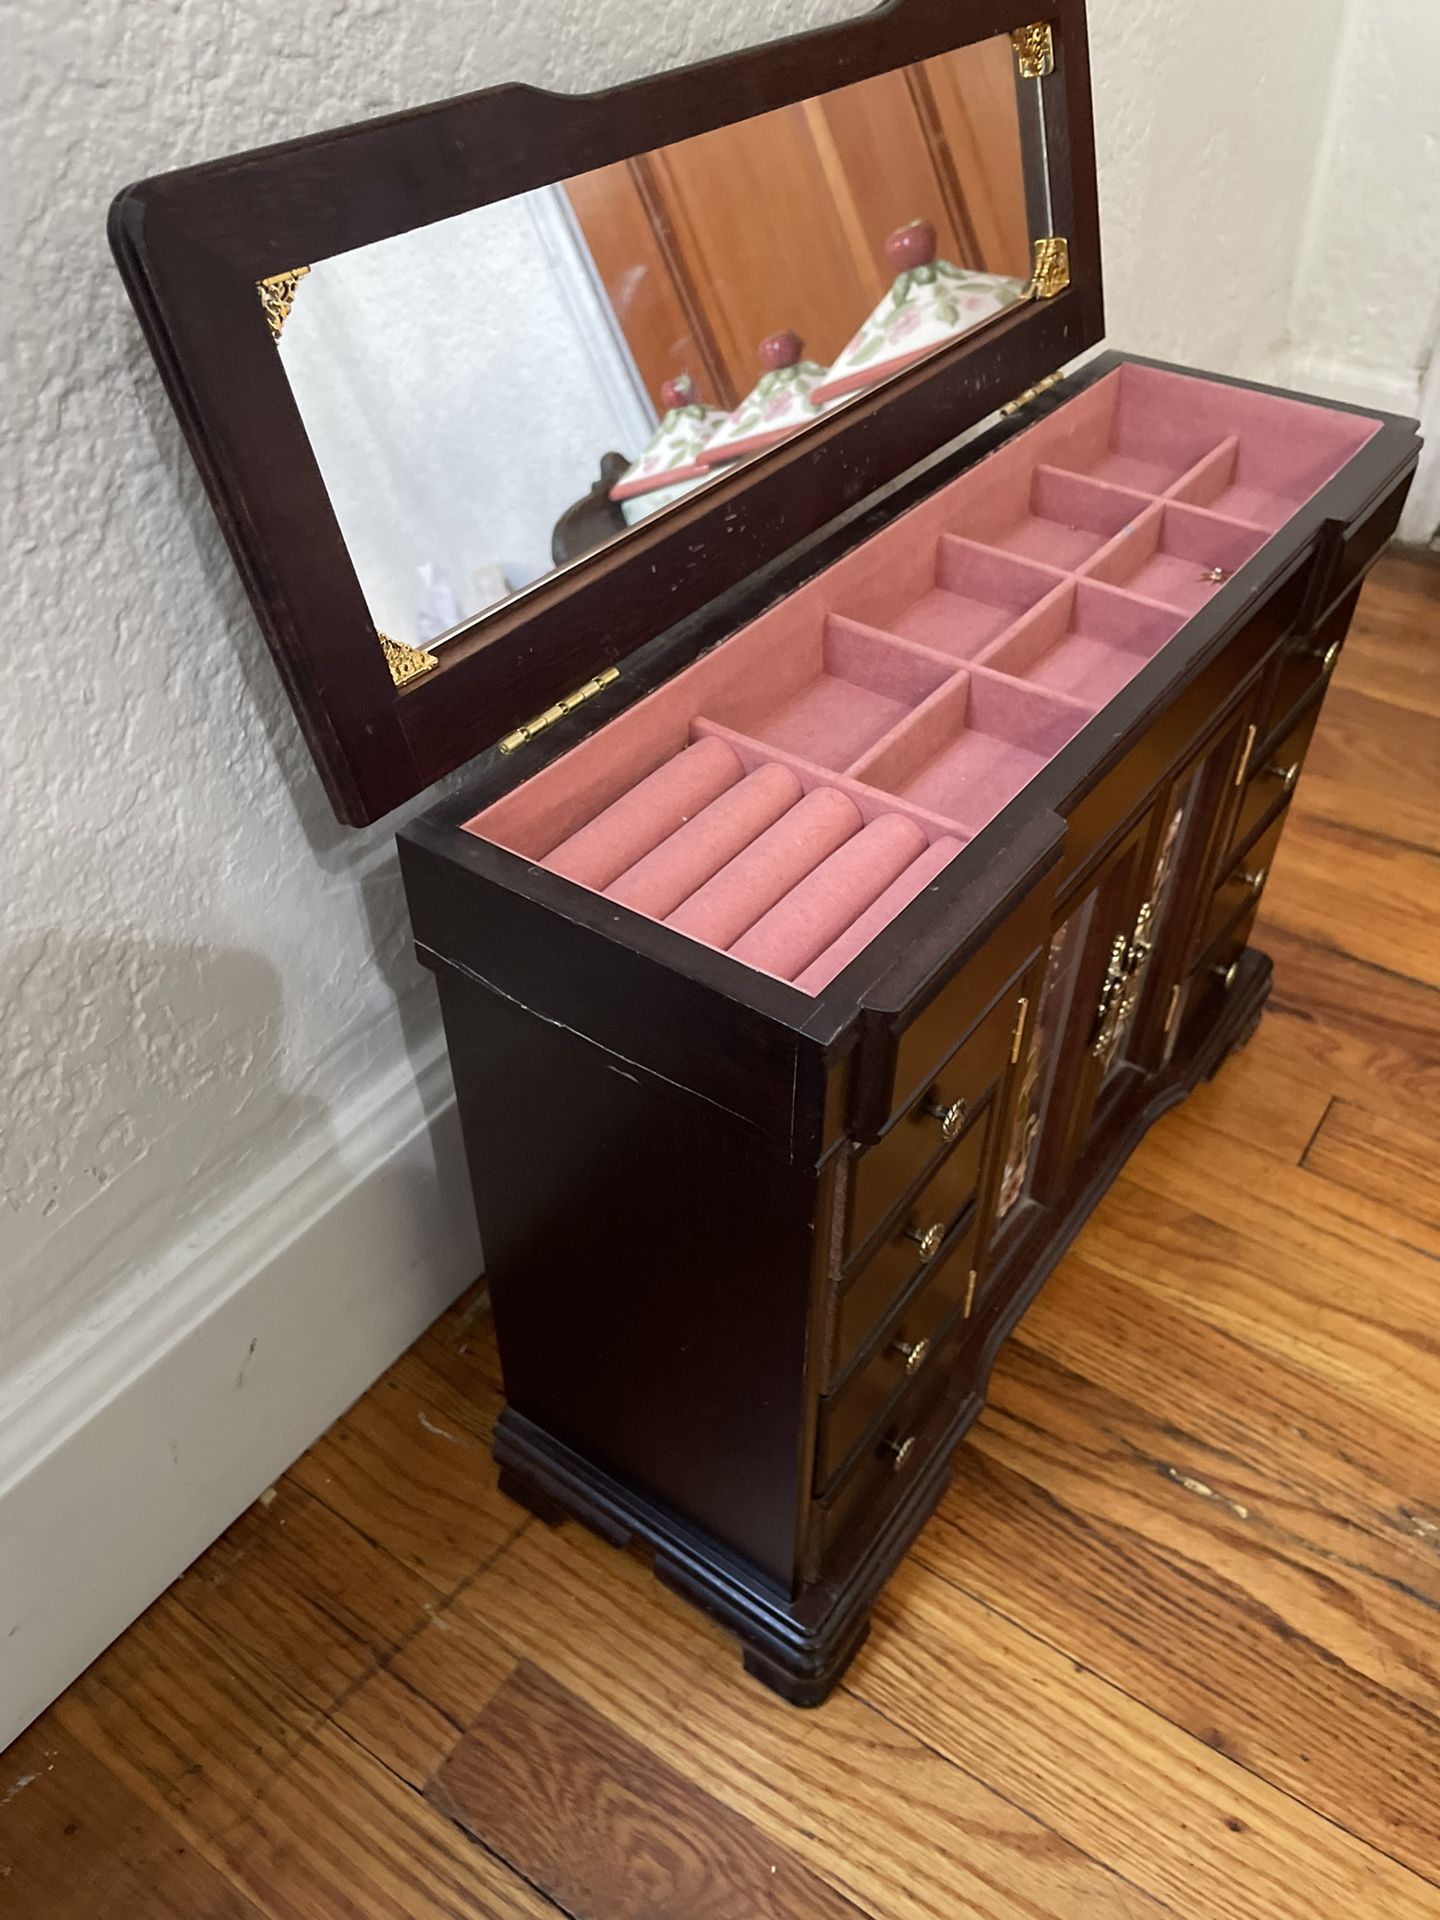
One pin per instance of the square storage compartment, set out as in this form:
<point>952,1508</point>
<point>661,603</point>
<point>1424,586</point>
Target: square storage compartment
<point>859,683</point>
<point>969,751</point>
<point>1087,643</point>
<point>978,593</point>
<point>1055,517</point>
<point>1177,554</point>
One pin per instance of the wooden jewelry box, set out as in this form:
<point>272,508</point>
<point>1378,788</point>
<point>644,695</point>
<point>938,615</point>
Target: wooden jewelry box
<point>853,858</point>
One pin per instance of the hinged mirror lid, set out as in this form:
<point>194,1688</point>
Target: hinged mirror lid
<point>417,359</point>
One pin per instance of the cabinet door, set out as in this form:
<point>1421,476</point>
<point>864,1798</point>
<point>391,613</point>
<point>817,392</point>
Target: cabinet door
<point>1109,974</point>
<point>1195,813</point>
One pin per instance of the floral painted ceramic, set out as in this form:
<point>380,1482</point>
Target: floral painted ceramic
<point>669,459</point>
<point>781,401</point>
<point>931,302</point>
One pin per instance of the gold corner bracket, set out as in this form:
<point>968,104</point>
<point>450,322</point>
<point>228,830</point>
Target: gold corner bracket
<point>1034,50</point>
<point>277,296</point>
<point>1052,267</point>
<point>568,704</point>
<point>406,663</point>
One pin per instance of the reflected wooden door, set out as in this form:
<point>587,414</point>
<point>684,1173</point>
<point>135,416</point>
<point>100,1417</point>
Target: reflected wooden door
<point>779,221</point>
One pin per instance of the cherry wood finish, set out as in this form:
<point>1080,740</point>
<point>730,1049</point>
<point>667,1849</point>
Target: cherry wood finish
<point>664,1142</point>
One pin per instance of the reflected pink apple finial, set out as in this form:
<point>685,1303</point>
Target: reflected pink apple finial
<point>679,392</point>
<point>911,246</point>
<point>781,349</point>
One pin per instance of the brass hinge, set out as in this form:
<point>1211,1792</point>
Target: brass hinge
<point>406,663</point>
<point>1034,50</point>
<point>1033,393</point>
<point>277,296</point>
<point>558,712</point>
<point>1052,267</point>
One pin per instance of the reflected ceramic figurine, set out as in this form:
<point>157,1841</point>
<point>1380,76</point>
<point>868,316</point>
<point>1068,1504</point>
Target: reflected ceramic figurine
<point>781,401</point>
<point>930,303</point>
<point>667,468</point>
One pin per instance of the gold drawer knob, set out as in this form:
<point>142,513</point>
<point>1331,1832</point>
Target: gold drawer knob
<point>928,1239</point>
<point>899,1452</point>
<point>912,1352</point>
<point>1226,975</point>
<point>1287,776</point>
<point>1254,881</point>
<point>951,1118</point>
<point>1328,658</point>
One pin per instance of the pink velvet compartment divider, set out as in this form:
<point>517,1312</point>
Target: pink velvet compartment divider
<point>791,792</point>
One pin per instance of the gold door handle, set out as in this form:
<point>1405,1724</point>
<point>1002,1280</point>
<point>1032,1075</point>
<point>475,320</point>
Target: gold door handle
<point>899,1452</point>
<point>912,1352</point>
<point>1022,1008</point>
<point>951,1118</point>
<point>1287,776</point>
<point>928,1239</point>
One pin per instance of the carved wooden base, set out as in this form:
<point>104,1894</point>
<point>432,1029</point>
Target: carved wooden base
<point>800,1644</point>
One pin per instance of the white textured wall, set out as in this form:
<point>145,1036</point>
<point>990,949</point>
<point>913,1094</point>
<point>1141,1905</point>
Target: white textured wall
<point>199,972</point>
<point>1209,114</point>
<point>197,966</point>
<point>1366,316</point>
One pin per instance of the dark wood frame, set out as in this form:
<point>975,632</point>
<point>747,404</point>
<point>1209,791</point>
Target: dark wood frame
<point>192,245</point>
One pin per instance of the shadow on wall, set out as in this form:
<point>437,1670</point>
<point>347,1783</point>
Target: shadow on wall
<point>129,1064</point>
<point>151,1156</point>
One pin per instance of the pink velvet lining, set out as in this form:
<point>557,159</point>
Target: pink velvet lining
<point>733,899</point>
<point>818,909</point>
<point>667,875</point>
<point>639,820</point>
<point>792,791</point>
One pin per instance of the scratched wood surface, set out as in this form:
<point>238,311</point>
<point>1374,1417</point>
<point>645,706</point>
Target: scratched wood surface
<point>1171,1645</point>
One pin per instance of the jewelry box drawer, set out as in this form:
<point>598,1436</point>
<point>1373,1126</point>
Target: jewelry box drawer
<point>1307,661</point>
<point>905,1258</point>
<point>1216,972</point>
<point>1242,886</point>
<point>914,1142</point>
<point>904,1447</point>
<point>1275,771</point>
<point>900,1351</point>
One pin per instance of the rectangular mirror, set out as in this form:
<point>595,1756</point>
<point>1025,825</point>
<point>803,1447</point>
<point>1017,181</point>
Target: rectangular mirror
<point>508,391</point>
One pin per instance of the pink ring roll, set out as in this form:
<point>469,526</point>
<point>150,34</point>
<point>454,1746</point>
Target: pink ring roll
<point>751,883</point>
<point>693,853</point>
<point>858,935</point>
<point>629,827</point>
<point>815,913</point>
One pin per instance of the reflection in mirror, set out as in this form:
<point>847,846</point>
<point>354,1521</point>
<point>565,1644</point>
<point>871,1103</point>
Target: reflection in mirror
<point>510,390</point>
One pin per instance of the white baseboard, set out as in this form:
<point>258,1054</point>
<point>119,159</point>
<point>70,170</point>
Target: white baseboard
<point>123,1464</point>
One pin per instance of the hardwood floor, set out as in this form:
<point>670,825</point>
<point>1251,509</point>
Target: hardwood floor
<point>1170,1647</point>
